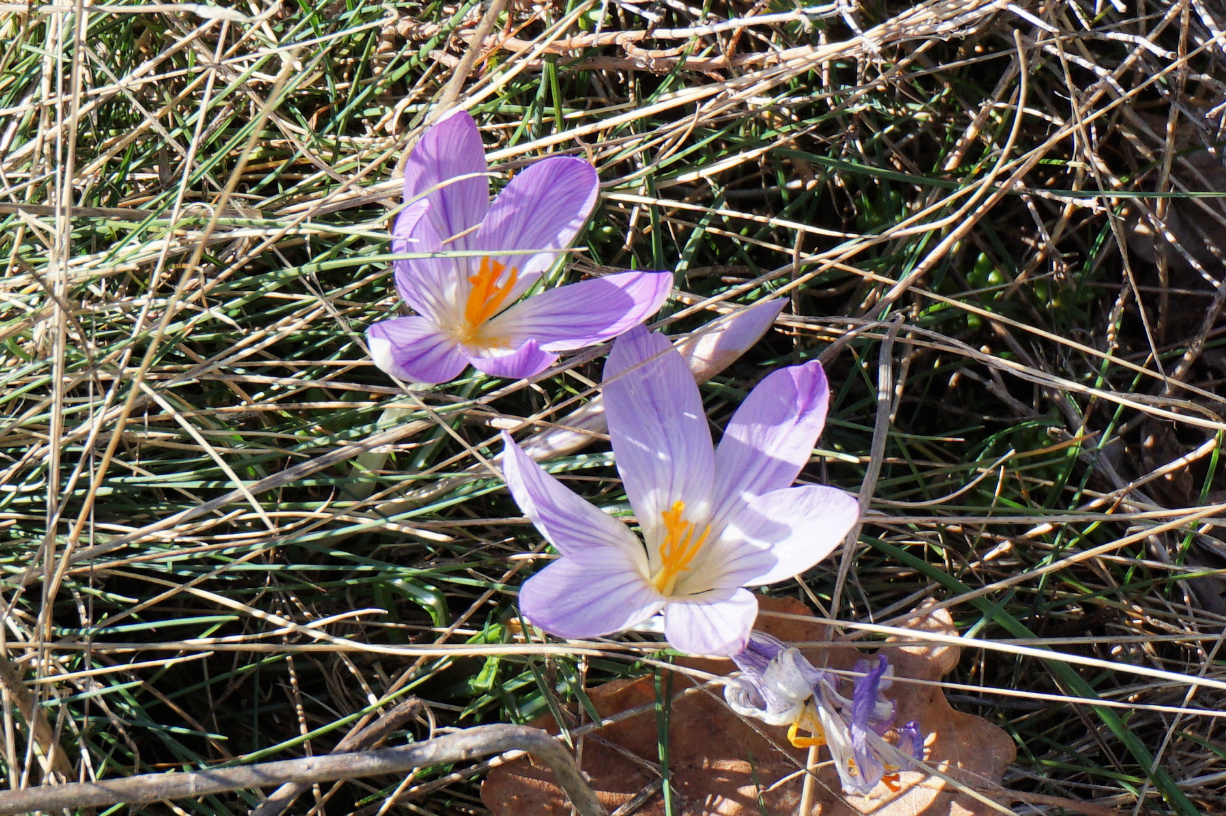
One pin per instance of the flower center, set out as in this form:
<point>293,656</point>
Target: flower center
<point>678,549</point>
<point>485,300</point>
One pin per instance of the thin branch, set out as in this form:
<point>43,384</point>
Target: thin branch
<point>462,746</point>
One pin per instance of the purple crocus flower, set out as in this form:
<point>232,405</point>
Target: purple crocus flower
<point>778,686</point>
<point>714,521</point>
<point>775,682</point>
<point>477,259</point>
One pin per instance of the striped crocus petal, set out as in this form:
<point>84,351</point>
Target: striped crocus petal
<point>413,349</point>
<point>447,171</point>
<point>911,740</point>
<point>599,586</point>
<point>862,725</point>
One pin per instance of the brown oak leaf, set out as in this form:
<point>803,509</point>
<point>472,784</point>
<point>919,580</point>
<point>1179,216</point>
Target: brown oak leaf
<point>723,765</point>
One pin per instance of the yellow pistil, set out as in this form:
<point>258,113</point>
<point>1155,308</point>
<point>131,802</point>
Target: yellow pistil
<point>485,300</point>
<point>808,718</point>
<point>678,548</point>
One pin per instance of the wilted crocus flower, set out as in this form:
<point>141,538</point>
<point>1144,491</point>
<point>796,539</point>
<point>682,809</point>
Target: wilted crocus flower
<point>778,686</point>
<point>714,521</point>
<point>492,254</point>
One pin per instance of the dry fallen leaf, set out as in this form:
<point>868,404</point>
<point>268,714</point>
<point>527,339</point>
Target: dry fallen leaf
<point>722,764</point>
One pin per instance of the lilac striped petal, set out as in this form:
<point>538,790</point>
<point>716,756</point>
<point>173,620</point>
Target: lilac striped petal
<point>412,349</point>
<point>541,210</point>
<point>758,652</point>
<point>911,741</point>
<point>406,223</point>
<point>718,626</point>
<point>590,593</point>
<point>713,347</point>
<point>526,361</point>
<point>429,285</point>
<point>839,745</point>
<point>777,536</point>
<point>569,523</point>
<point>773,689</point>
<point>585,313</point>
<point>450,148</point>
<point>864,702</point>
<point>661,442</point>
<point>866,696</point>
<point>770,437</point>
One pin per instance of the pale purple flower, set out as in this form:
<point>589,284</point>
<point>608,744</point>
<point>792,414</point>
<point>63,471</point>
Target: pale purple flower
<point>714,521</point>
<point>778,686</point>
<point>480,258</point>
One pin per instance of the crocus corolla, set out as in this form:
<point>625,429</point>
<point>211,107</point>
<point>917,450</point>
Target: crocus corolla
<point>714,521</point>
<point>475,260</point>
<point>778,686</point>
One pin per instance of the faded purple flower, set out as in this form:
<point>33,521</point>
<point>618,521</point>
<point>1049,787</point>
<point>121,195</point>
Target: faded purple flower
<point>478,259</point>
<point>714,521</point>
<point>778,686</point>
<point>775,682</point>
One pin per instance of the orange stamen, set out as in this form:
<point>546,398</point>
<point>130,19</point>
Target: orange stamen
<point>808,718</point>
<point>678,548</point>
<point>891,781</point>
<point>486,297</point>
<point>815,741</point>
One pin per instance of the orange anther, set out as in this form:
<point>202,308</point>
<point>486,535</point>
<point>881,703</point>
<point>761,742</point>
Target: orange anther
<point>486,297</point>
<point>678,548</point>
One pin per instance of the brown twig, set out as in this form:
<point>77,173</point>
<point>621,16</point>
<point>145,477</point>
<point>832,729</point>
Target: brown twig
<point>461,746</point>
<point>41,734</point>
<point>356,740</point>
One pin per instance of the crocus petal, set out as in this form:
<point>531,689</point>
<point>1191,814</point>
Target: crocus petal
<point>661,442</point>
<point>429,285</point>
<point>718,626</point>
<point>869,767</point>
<point>911,740</point>
<point>593,592</point>
<point>450,148</point>
<point>786,680</point>
<point>839,743</point>
<point>568,522</point>
<point>869,709</point>
<point>777,536</point>
<point>526,361</point>
<point>711,348</point>
<point>413,349</point>
<point>770,437</point>
<point>406,223</point>
<point>746,696</point>
<point>758,652</point>
<point>793,675</point>
<point>585,313</point>
<point>540,211</point>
